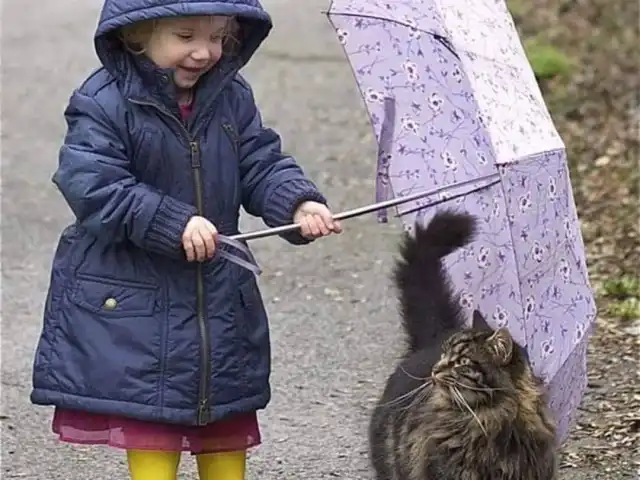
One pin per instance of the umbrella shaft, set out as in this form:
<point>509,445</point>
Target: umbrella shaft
<point>340,216</point>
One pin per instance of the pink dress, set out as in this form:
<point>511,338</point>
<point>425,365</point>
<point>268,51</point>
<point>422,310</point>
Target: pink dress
<point>237,433</point>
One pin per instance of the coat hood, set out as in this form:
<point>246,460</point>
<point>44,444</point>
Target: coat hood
<point>255,24</point>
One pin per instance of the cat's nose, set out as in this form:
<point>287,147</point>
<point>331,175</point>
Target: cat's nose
<point>438,375</point>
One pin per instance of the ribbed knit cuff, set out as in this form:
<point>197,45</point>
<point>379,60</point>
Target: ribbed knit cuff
<point>166,228</point>
<point>284,201</point>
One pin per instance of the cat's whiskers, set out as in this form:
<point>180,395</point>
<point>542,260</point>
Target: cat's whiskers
<point>422,379</point>
<point>420,397</point>
<point>461,402</point>
<point>419,389</point>
<point>477,389</point>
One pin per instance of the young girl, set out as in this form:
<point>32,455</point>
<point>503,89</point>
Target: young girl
<point>155,336</point>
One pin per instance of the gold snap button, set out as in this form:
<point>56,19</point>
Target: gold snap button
<point>110,303</point>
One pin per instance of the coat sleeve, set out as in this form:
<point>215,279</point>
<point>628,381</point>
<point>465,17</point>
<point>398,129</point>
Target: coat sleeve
<point>273,185</point>
<point>94,176</point>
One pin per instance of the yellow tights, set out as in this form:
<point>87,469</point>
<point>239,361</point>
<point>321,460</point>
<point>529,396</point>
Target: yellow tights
<point>152,465</point>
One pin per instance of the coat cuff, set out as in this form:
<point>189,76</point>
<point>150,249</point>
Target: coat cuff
<point>284,201</point>
<point>167,226</point>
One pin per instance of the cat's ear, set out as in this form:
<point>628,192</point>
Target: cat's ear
<point>501,346</point>
<point>479,321</point>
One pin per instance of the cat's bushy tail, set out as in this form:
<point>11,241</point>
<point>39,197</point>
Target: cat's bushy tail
<point>428,304</point>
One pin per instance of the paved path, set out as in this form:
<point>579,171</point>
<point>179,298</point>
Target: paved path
<point>334,325</point>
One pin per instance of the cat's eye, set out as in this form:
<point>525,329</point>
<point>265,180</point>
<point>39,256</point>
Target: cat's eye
<point>465,362</point>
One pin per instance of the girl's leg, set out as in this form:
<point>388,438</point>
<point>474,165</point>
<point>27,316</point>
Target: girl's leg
<point>152,465</point>
<point>222,466</point>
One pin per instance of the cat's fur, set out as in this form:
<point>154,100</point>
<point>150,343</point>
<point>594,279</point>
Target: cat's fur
<point>421,428</point>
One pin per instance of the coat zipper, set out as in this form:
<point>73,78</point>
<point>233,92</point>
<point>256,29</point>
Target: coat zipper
<point>205,352</point>
<point>205,363</point>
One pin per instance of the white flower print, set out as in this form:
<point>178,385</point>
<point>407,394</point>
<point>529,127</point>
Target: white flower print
<point>411,70</point>
<point>537,252</point>
<point>529,307</point>
<point>565,269</point>
<point>483,257</point>
<point>456,74</point>
<point>568,228</point>
<point>374,96</point>
<point>449,161</point>
<point>524,202</point>
<point>343,36</point>
<point>409,123</point>
<point>581,329</point>
<point>436,102</point>
<point>496,208</point>
<point>466,301</point>
<point>548,347</point>
<point>500,316</point>
<point>553,189</point>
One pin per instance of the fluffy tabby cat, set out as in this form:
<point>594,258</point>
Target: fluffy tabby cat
<point>463,403</point>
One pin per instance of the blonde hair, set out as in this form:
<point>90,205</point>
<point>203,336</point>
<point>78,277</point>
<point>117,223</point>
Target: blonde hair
<point>135,36</point>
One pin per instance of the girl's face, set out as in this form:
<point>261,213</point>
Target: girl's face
<point>190,45</point>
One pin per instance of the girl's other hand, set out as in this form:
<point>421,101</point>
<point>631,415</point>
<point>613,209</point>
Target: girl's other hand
<point>199,239</point>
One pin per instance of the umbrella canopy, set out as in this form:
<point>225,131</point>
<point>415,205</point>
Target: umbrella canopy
<point>455,107</point>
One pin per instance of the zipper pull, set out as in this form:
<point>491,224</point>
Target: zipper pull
<point>195,154</point>
<point>202,411</point>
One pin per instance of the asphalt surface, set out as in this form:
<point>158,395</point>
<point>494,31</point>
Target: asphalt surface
<point>334,325</point>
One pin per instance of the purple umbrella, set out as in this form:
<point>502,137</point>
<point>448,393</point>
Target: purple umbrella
<point>456,109</point>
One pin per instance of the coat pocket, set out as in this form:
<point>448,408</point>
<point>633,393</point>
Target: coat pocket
<point>111,341</point>
<point>114,298</point>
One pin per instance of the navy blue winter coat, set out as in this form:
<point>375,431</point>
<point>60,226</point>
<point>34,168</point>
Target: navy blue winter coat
<point>130,327</point>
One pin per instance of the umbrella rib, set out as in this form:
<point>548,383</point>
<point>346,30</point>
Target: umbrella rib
<point>481,184</point>
<point>442,39</point>
<point>382,19</point>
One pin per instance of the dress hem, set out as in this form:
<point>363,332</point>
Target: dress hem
<point>110,443</point>
<point>237,433</point>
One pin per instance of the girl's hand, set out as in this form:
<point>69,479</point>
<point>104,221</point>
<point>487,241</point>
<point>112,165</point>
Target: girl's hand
<point>315,220</point>
<point>199,239</point>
